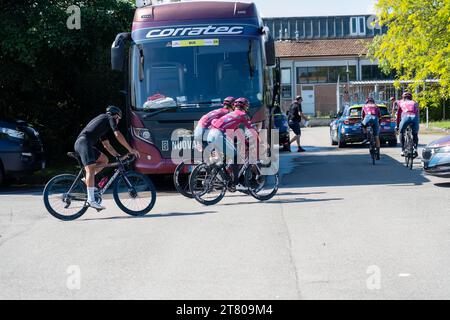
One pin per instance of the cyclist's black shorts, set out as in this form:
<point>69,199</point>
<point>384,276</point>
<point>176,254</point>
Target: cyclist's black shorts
<point>295,126</point>
<point>88,154</point>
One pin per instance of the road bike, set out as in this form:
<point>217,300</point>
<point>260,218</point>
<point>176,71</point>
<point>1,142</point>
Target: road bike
<point>372,144</point>
<point>410,152</point>
<point>210,182</point>
<point>65,196</point>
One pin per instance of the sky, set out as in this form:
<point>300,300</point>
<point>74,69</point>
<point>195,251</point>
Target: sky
<point>292,8</point>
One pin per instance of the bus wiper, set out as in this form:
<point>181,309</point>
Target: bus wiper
<point>141,62</point>
<point>198,103</point>
<point>158,111</point>
<point>250,59</point>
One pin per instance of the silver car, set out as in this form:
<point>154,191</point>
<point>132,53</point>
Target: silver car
<point>436,158</point>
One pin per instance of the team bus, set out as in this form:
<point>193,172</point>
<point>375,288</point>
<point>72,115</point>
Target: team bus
<point>182,60</point>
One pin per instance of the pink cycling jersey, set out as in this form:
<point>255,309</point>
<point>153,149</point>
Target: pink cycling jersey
<point>207,119</point>
<point>232,121</point>
<point>407,107</point>
<point>371,109</point>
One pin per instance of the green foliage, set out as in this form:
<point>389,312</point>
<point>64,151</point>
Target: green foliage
<point>416,45</point>
<point>56,78</point>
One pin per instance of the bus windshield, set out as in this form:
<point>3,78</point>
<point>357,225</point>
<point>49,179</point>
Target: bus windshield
<point>196,73</point>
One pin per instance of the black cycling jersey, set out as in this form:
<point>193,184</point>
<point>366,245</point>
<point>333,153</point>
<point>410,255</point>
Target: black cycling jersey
<point>98,128</point>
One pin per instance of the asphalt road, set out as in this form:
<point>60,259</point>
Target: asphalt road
<point>338,229</point>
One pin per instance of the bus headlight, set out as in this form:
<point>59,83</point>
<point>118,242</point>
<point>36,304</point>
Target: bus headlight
<point>13,133</point>
<point>143,134</point>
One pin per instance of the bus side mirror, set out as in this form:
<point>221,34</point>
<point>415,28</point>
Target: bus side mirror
<point>118,51</point>
<point>270,52</point>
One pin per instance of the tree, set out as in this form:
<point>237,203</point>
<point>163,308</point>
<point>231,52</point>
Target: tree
<point>416,45</point>
<point>54,77</point>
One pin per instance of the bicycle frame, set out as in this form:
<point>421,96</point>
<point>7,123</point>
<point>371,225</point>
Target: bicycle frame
<point>119,171</point>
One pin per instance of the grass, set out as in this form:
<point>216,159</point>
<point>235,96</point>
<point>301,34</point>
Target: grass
<point>440,124</point>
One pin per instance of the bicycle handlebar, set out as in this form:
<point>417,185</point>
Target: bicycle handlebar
<point>127,158</point>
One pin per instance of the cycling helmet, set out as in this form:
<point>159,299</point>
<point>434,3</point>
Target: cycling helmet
<point>113,110</point>
<point>407,95</point>
<point>370,100</point>
<point>241,103</point>
<point>228,102</point>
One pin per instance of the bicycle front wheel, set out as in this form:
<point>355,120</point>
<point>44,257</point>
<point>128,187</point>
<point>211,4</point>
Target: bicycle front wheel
<point>134,193</point>
<point>261,187</point>
<point>181,180</point>
<point>60,203</point>
<point>207,184</point>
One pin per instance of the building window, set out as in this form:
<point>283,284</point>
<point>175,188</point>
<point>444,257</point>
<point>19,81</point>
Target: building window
<point>373,72</point>
<point>323,28</point>
<point>339,28</point>
<point>331,30</point>
<point>358,26</point>
<point>286,85</point>
<point>316,31</point>
<point>286,76</point>
<point>308,28</point>
<point>325,74</point>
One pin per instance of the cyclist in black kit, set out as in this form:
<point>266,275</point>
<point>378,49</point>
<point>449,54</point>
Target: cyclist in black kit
<point>93,160</point>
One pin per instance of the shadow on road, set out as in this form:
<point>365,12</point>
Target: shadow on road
<point>443,185</point>
<point>337,170</point>
<point>282,201</point>
<point>150,216</point>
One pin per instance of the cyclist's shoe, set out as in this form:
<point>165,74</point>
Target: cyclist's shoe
<point>95,205</point>
<point>402,154</point>
<point>300,149</point>
<point>378,154</point>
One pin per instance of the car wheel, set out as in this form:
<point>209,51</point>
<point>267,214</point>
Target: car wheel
<point>342,144</point>
<point>333,143</point>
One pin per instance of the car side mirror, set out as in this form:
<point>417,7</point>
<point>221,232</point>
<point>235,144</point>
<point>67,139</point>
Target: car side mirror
<point>118,51</point>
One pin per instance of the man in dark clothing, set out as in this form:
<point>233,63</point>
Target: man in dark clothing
<point>93,160</point>
<point>295,116</point>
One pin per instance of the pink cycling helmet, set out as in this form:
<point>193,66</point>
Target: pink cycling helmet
<point>407,95</point>
<point>228,102</point>
<point>370,100</point>
<point>241,103</point>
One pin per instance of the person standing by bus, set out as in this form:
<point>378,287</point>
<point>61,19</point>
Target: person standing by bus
<point>295,116</point>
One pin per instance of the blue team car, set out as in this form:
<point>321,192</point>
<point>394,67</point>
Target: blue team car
<point>347,128</point>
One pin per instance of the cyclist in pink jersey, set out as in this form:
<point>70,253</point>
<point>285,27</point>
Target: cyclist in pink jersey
<point>205,122</point>
<point>408,114</point>
<point>217,137</point>
<point>232,121</point>
<point>371,114</point>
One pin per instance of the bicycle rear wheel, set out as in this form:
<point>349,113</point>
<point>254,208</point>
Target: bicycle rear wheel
<point>134,193</point>
<point>208,184</point>
<point>181,180</point>
<point>372,148</point>
<point>261,187</point>
<point>62,205</point>
<point>409,154</point>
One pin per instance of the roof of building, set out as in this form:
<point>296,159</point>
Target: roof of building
<point>322,48</point>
